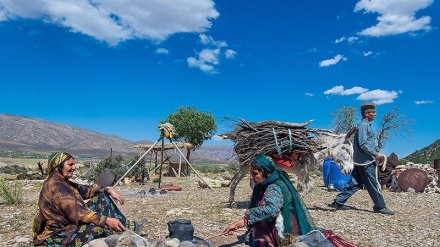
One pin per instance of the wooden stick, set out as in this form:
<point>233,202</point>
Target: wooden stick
<point>214,236</point>
<point>220,234</point>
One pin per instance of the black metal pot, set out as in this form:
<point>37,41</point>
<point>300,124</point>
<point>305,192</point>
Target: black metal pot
<point>181,229</point>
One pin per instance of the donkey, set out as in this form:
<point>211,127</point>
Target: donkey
<point>338,147</point>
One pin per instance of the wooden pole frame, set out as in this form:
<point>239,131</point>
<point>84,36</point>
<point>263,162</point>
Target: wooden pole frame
<point>161,138</point>
<point>140,158</point>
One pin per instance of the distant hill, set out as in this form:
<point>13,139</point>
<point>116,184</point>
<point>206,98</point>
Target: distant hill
<point>33,135</point>
<point>214,154</point>
<point>426,155</point>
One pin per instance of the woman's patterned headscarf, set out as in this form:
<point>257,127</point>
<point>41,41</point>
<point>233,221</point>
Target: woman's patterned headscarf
<point>56,159</point>
<point>265,162</point>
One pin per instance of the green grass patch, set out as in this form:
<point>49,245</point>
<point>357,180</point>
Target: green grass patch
<point>215,168</point>
<point>11,192</point>
<point>14,169</point>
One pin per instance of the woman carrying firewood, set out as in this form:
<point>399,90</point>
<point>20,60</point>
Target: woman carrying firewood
<point>65,219</point>
<point>276,213</point>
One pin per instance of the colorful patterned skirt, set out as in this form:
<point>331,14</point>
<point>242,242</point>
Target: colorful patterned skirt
<point>85,233</point>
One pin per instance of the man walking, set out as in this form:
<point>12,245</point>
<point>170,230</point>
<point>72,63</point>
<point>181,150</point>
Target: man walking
<point>365,156</point>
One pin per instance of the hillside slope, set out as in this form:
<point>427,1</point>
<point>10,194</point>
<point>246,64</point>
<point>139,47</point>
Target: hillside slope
<point>426,155</point>
<point>32,135</point>
<point>20,133</point>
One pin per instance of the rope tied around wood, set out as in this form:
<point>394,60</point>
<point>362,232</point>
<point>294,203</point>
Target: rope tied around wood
<point>271,137</point>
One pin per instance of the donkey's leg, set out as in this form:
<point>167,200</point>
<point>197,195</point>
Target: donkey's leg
<point>238,176</point>
<point>306,163</point>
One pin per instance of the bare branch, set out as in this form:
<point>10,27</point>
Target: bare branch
<point>393,123</point>
<point>269,137</point>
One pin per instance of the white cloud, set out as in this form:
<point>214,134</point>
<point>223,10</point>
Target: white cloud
<point>208,40</point>
<point>230,53</point>
<point>354,90</point>
<point>162,51</point>
<point>205,61</point>
<point>341,91</point>
<point>352,39</point>
<point>421,102</point>
<point>332,61</point>
<point>309,94</point>
<point>3,14</point>
<point>339,40</point>
<point>117,21</point>
<point>378,96</point>
<point>349,39</point>
<point>368,53</point>
<point>335,90</point>
<point>208,58</point>
<point>395,16</point>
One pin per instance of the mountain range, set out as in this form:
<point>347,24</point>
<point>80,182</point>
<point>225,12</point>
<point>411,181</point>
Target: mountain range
<point>33,135</point>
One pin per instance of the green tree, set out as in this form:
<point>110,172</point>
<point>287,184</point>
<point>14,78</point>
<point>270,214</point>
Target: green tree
<point>191,125</point>
<point>344,119</point>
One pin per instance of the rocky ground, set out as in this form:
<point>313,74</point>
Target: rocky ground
<point>416,222</point>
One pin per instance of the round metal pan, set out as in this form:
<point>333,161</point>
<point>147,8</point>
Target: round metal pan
<point>413,178</point>
<point>105,179</point>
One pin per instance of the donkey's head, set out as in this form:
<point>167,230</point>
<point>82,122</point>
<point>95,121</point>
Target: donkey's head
<point>339,148</point>
<point>342,154</point>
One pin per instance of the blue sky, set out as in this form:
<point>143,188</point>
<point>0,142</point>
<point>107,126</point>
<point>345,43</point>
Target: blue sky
<point>119,67</point>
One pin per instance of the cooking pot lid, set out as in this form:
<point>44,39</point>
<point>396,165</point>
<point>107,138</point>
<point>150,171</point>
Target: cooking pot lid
<point>105,179</point>
<point>413,178</point>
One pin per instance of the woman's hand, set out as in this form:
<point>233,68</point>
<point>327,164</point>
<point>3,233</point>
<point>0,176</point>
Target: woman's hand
<point>229,229</point>
<point>116,196</point>
<point>115,224</point>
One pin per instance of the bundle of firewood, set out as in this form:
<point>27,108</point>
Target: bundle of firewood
<point>270,137</point>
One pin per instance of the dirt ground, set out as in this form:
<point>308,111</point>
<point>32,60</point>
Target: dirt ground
<point>416,222</point>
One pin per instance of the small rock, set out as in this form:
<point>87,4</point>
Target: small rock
<point>187,244</point>
<point>112,239</point>
<point>172,243</point>
<point>125,240</point>
<point>22,242</point>
<point>99,242</point>
<point>411,190</point>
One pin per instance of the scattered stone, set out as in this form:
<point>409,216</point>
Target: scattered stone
<point>99,243</point>
<point>172,242</point>
<point>22,242</point>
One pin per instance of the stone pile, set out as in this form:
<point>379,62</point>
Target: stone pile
<point>126,239</point>
<point>131,239</point>
<point>433,175</point>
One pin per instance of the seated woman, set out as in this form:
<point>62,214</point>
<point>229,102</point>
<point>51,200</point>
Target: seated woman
<point>276,212</point>
<point>65,219</point>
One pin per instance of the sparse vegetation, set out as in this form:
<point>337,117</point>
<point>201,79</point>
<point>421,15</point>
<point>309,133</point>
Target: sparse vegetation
<point>426,155</point>
<point>17,154</point>
<point>209,168</point>
<point>118,166</point>
<point>11,192</point>
<point>14,169</point>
